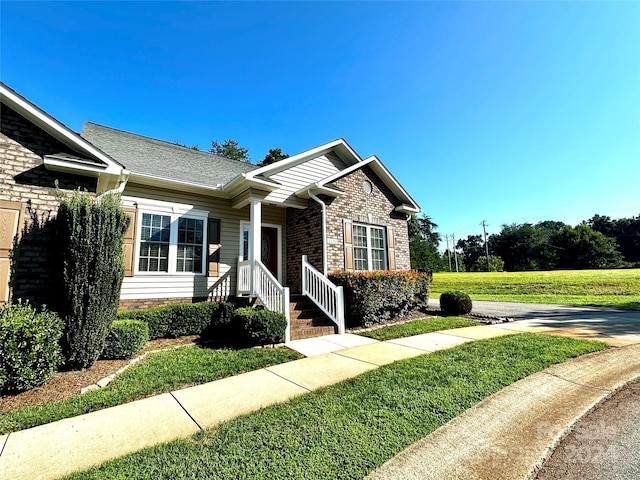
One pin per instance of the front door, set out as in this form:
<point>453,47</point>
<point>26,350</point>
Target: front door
<point>269,249</point>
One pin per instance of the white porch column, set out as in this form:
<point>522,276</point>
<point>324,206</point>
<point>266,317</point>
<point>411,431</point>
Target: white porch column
<point>255,230</point>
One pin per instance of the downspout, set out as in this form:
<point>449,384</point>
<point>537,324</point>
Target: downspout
<point>324,231</point>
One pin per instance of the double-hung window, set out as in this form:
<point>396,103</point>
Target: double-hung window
<point>171,239</point>
<point>369,247</point>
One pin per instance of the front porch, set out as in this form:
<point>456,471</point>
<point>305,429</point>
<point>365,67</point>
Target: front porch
<point>319,307</point>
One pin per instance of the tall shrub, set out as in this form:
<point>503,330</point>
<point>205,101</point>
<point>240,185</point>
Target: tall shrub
<point>90,238</point>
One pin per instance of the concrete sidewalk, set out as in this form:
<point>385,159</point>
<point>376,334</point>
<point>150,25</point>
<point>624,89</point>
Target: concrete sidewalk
<point>59,448</point>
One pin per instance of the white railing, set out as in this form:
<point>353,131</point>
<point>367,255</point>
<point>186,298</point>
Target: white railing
<point>328,297</point>
<point>265,287</point>
<point>244,277</point>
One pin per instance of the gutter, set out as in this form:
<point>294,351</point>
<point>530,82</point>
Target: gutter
<point>324,231</point>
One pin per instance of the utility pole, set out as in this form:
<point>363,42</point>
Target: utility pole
<point>455,253</point>
<point>446,237</point>
<point>486,244</point>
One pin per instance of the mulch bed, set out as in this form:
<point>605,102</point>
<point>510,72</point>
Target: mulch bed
<point>65,385</point>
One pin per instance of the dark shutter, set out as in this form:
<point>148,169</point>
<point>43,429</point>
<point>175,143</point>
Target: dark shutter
<point>213,248</point>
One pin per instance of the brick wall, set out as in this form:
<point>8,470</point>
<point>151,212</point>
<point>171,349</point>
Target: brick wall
<point>304,227</point>
<point>138,304</point>
<point>24,179</point>
<point>376,208</point>
<point>304,237</point>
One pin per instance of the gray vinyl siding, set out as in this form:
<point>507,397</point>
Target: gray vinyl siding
<point>302,175</point>
<point>188,285</point>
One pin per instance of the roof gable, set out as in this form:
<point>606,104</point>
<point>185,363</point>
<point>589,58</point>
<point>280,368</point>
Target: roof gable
<point>93,160</point>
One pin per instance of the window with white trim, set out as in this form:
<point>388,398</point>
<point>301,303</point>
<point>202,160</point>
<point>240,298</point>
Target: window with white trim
<point>369,247</point>
<point>171,240</point>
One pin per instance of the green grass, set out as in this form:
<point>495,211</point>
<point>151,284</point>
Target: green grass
<point>418,327</point>
<point>603,288</point>
<point>159,372</point>
<point>349,429</point>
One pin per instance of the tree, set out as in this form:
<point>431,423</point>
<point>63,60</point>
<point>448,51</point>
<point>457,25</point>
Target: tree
<point>496,264</point>
<point>423,245</point>
<point>625,231</point>
<point>274,155</point>
<point>472,249</point>
<point>582,247</point>
<point>230,149</point>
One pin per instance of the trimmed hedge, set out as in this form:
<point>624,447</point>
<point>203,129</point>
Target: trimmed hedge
<point>455,302</point>
<point>29,347</point>
<point>125,338</point>
<point>208,319</point>
<point>375,297</point>
<point>260,326</point>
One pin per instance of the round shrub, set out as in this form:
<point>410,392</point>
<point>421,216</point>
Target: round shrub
<point>30,351</point>
<point>125,338</point>
<point>455,302</point>
<point>261,326</point>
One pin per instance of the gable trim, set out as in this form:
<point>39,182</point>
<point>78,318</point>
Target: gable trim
<point>56,129</point>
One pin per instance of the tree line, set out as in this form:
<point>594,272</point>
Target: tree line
<point>600,242</point>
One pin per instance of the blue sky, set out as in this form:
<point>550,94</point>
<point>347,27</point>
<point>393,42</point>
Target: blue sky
<point>498,111</point>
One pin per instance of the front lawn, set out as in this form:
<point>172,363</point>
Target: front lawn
<point>347,430</point>
<point>602,288</point>
<point>418,327</point>
<point>159,372</point>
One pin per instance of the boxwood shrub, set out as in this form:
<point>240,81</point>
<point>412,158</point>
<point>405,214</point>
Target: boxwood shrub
<point>260,326</point>
<point>455,302</point>
<point>125,338</point>
<point>375,297</point>
<point>209,319</point>
<point>29,347</point>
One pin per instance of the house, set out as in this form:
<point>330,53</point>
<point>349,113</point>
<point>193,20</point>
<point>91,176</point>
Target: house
<point>204,226</point>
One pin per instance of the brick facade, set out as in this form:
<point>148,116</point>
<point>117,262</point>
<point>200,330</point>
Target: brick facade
<point>25,179</point>
<point>304,227</point>
<point>156,302</point>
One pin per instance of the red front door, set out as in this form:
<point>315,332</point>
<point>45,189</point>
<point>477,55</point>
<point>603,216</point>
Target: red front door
<point>269,249</point>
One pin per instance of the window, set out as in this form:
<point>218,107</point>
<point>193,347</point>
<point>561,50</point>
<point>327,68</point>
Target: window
<point>172,239</point>
<point>154,243</point>
<point>369,248</point>
<point>190,239</point>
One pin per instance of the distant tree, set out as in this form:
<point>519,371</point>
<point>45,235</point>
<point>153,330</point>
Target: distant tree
<point>625,231</point>
<point>423,245</point>
<point>496,264</point>
<point>192,147</point>
<point>582,247</point>
<point>472,249</point>
<point>274,155</point>
<point>230,149</point>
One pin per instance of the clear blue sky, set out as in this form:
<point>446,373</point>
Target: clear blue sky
<point>502,111</point>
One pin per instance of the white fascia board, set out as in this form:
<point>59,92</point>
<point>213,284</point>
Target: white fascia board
<point>56,129</point>
<point>382,172</point>
<point>316,189</point>
<point>244,181</point>
<point>339,144</point>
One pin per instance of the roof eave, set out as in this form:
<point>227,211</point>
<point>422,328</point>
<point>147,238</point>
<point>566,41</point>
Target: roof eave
<point>56,129</point>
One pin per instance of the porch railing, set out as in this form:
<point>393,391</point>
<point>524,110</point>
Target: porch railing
<point>328,297</point>
<point>265,287</point>
<point>244,277</point>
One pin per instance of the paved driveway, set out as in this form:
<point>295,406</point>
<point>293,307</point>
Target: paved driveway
<point>621,324</point>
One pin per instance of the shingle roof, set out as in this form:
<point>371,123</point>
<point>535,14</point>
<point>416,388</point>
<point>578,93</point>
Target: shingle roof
<point>157,158</point>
